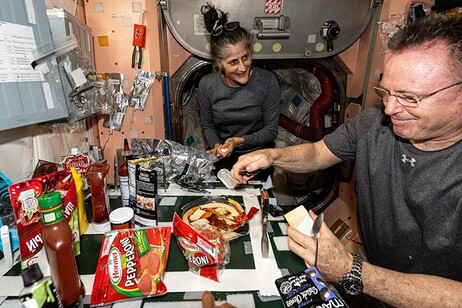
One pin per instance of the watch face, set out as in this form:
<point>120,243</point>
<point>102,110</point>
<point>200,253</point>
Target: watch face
<point>352,286</point>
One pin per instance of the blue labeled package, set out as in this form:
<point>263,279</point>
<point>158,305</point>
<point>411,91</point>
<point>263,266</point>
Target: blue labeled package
<point>6,212</point>
<point>307,289</point>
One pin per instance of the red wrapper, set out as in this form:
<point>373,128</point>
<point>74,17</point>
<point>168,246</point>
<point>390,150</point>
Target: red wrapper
<point>206,251</point>
<point>131,265</point>
<point>24,199</point>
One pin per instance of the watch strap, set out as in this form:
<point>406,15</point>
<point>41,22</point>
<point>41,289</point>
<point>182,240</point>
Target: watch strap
<point>357,267</point>
<point>353,276</point>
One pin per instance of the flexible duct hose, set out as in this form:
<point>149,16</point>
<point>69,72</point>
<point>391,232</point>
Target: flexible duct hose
<point>316,129</point>
<point>315,132</point>
<point>324,101</point>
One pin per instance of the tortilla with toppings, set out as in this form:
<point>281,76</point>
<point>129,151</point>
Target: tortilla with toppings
<point>226,216</point>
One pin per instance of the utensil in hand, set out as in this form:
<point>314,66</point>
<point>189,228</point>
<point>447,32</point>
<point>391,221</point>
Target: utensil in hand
<point>315,230</point>
<point>247,173</point>
<point>264,222</point>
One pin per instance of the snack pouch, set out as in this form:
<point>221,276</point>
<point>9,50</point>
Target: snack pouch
<point>24,199</point>
<point>140,89</point>
<point>146,196</point>
<point>205,251</point>
<point>142,188</point>
<point>131,265</point>
<point>307,289</point>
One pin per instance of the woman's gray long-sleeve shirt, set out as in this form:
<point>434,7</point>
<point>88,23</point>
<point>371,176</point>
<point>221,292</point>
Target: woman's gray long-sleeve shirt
<point>250,111</point>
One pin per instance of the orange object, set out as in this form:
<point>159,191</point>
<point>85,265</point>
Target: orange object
<point>139,35</point>
<point>103,40</point>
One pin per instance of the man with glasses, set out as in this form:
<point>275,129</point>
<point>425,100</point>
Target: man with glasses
<point>408,154</point>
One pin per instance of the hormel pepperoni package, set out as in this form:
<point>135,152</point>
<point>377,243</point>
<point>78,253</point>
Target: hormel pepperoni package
<point>205,250</point>
<point>131,265</point>
<point>24,199</point>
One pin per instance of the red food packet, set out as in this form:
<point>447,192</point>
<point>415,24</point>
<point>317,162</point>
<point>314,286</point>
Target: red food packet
<point>79,161</point>
<point>131,265</point>
<point>206,251</point>
<point>24,199</point>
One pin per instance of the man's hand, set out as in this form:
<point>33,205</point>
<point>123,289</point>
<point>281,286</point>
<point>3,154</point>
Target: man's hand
<point>208,301</point>
<point>249,163</point>
<point>333,259</point>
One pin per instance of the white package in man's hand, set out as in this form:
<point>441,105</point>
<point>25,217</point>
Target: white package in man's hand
<point>300,220</point>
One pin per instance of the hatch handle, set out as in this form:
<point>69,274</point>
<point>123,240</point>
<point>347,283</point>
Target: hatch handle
<point>330,31</point>
<point>277,27</point>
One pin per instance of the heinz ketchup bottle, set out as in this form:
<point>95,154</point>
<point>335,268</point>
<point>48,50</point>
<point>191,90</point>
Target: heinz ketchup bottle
<point>57,237</point>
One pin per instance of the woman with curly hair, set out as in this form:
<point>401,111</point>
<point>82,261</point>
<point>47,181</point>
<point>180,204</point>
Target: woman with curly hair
<point>240,104</point>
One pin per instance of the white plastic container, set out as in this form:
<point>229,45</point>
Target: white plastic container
<point>225,176</point>
<point>122,218</point>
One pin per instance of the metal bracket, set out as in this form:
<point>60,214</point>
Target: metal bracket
<point>163,4</point>
<point>375,3</point>
<point>159,75</point>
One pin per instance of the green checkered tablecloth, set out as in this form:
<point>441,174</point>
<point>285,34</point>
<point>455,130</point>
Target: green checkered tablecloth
<point>244,258</point>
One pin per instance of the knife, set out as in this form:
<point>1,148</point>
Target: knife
<point>264,222</point>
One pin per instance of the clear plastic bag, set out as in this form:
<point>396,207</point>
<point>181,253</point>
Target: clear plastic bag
<point>80,80</point>
<point>388,28</point>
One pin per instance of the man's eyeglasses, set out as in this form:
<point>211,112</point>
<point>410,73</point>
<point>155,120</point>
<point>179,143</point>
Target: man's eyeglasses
<point>408,100</point>
<point>229,26</point>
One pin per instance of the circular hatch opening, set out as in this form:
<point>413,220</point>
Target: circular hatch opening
<point>304,84</point>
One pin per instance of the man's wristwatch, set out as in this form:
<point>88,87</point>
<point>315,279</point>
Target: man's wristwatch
<point>352,283</point>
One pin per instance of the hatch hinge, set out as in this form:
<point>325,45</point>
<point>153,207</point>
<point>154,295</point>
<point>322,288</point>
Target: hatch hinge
<point>163,4</point>
<point>375,3</point>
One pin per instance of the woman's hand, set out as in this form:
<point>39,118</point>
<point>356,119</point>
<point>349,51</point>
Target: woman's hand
<point>229,145</point>
<point>333,259</point>
<point>225,149</point>
<point>215,150</point>
<point>221,150</point>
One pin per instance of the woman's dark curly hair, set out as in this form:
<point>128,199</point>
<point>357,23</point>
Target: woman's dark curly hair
<point>224,33</point>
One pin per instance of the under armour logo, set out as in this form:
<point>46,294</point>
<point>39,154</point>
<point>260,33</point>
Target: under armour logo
<point>405,159</point>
